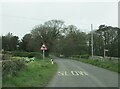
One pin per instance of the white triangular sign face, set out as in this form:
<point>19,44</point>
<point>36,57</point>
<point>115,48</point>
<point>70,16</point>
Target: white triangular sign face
<point>43,47</point>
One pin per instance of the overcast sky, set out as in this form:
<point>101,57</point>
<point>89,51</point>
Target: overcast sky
<point>20,17</point>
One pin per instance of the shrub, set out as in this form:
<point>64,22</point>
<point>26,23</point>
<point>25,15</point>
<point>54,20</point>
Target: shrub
<point>16,58</point>
<point>76,56</point>
<point>10,67</point>
<point>84,56</point>
<point>26,54</point>
<point>81,56</point>
<point>6,56</point>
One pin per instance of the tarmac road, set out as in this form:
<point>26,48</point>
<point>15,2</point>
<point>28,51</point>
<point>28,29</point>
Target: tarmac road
<point>73,73</point>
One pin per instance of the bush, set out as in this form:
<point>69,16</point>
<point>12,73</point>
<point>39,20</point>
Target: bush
<point>6,57</point>
<point>84,56</point>
<point>26,54</point>
<point>10,67</point>
<point>16,58</point>
<point>81,56</point>
<point>76,56</point>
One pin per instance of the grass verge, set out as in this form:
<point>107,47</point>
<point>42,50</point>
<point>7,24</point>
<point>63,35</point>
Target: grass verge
<point>110,65</point>
<point>35,75</point>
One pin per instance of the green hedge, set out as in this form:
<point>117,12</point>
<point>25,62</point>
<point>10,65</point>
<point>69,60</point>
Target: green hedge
<point>25,54</point>
<point>76,56</point>
<point>81,56</point>
<point>10,67</point>
<point>84,56</point>
<point>6,56</point>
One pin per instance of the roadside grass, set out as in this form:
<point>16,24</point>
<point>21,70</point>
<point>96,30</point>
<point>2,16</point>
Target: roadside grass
<point>106,64</point>
<point>34,75</point>
<point>0,74</point>
<point>110,65</point>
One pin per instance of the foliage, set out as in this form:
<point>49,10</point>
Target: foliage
<point>27,43</point>
<point>10,42</point>
<point>35,72</point>
<point>10,67</point>
<point>106,37</point>
<point>85,56</point>
<point>47,33</point>
<point>61,39</point>
<point>76,56</point>
<point>6,57</point>
<point>25,54</point>
<point>73,43</point>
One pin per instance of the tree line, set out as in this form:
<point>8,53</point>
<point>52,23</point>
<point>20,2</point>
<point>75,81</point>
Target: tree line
<point>61,39</point>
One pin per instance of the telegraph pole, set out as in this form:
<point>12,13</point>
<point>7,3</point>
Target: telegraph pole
<point>91,40</point>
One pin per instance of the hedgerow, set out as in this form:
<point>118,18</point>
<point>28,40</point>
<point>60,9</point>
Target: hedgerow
<point>10,67</point>
<point>25,54</point>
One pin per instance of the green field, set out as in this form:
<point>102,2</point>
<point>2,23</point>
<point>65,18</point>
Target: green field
<point>34,75</point>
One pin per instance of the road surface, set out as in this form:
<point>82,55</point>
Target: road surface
<point>73,73</point>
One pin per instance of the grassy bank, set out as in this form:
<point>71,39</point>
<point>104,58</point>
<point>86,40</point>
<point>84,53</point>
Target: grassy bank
<point>110,65</point>
<point>104,64</point>
<point>34,75</point>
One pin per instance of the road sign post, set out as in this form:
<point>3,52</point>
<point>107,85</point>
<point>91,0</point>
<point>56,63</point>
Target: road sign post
<point>43,48</point>
<point>43,55</point>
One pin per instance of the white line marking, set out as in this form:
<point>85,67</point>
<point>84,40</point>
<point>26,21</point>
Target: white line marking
<point>66,73</point>
<point>85,73</point>
<point>80,72</point>
<point>60,73</point>
<point>75,73</point>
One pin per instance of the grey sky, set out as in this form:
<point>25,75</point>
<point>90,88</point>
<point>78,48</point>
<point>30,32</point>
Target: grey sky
<point>20,18</point>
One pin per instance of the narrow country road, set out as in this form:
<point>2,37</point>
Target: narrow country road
<point>73,73</point>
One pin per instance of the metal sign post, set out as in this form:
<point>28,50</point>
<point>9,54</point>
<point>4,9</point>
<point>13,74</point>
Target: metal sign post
<point>43,48</point>
<point>43,56</point>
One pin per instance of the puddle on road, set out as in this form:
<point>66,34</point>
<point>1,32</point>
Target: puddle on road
<point>72,73</point>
